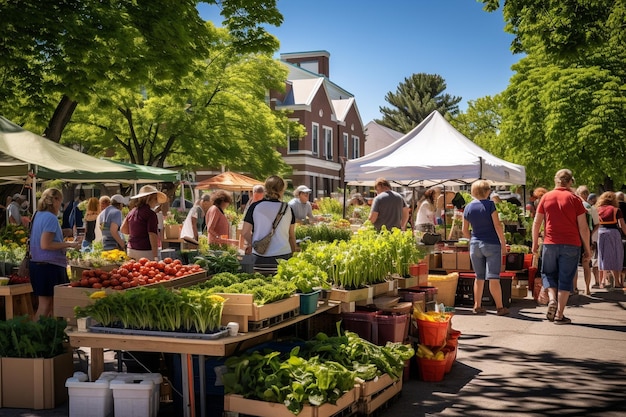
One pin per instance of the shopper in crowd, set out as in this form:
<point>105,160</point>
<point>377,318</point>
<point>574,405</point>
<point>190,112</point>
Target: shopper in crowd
<point>193,225</point>
<point>259,221</point>
<point>388,208</point>
<point>592,199</point>
<point>301,206</point>
<point>621,204</point>
<point>48,264</point>
<point>427,211</point>
<point>141,224</point>
<point>91,216</point>
<point>73,216</point>
<point>217,224</point>
<point>564,219</point>
<point>13,209</point>
<point>610,247</point>
<point>487,245</point>
<point>109,222</point>
<point>593,222</point>
<point>258,193</point>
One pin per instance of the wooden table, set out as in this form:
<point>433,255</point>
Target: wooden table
<point>17,300</point>
<point>186,347</point>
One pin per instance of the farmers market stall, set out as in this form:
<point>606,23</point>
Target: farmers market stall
<point>186,347</point>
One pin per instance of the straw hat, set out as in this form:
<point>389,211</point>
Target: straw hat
<point>146,190</point>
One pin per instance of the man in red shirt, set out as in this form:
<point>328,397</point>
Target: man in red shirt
<point>565,230</point>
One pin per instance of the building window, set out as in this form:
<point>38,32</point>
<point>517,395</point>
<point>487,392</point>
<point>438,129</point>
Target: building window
<point>328,143</point>
<point>294,144</point>
<point>356,150</point>
<point>345,146</point>
<point>315,139</point>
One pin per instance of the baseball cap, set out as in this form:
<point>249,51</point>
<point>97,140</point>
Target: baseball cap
<point>301,189</point>
<point>591,196</point>
<point>119,199</point>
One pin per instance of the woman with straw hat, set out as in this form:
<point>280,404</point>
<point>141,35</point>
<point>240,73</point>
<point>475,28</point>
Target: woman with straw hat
<point>141,224</point>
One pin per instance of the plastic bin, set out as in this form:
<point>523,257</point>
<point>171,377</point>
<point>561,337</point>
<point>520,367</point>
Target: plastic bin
<point>89,399</point>
<point>392,328</point>
<point>432,333</point>
<point>446,287</point>
<point>514,261</point>
<point>308,302</point>
<point>465,289</point>
<point>450,355</point>
<point>431,370</point>
<point>362,323</point>
<point>133,399</point>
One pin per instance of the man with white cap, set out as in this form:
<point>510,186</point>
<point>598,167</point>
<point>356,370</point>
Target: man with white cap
<point>13,211</point>
<point>110,221</point>
<point>301,206</point>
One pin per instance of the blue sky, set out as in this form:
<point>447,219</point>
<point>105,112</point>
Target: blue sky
<point>375,45</point>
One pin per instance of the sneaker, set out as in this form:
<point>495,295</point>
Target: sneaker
<point>480,310</point>
<point>562,320</point>
<point>551,310</point>
<point>502,311</point>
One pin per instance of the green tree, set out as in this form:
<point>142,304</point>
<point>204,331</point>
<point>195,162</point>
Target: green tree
<point>481,123</point>
<point>53,53</point>
<point>216,116</point>
<point>414,100</point>
<point>565,105</point>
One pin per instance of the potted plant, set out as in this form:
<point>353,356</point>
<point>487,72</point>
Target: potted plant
<point>29,349</point>
<point>308,279</point>
<point>171,226</point>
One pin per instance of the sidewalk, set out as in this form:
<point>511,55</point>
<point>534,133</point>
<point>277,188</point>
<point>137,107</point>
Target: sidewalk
<point>517,365</point>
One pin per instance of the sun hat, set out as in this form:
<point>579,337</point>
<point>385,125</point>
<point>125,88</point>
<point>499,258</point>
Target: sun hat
<point>301,189</point>
<point>119,199</point>
<point>146,190</point>
<point>19,196</point>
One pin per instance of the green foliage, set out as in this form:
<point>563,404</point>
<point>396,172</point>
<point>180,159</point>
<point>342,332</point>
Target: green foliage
<point>304,275</point>
<point>322,232</point>
<point>215,263</point>
<point>264,289</point>
<point>329,205</point>
<point>414,99</point>
<point>21,337</point>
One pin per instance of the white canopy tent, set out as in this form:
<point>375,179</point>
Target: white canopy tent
<point>432,153</point>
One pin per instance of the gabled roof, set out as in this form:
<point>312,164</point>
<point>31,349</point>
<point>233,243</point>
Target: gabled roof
<point>378,136</point>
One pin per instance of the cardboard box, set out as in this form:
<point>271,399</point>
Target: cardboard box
<point>347,296</point>
<point>241,405</point>
<point>463,261</point>
<point>519,292</point>
<point>448,260</point>
<point>36,383</point>
<point>434,260</point>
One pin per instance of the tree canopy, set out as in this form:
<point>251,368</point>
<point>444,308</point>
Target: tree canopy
<point>414,100</point>
<point>53,53</point>
<point>565,104</point>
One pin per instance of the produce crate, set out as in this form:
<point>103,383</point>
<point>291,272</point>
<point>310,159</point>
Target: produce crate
<point>347,296</point>
<point>67,297</point>
<point>465,289</point>
<point>345,405</point>
<point>376,394</point>
<point>407,282</point>
<point>241,308</point>
<point>77,271</point>
<point>383,288</point>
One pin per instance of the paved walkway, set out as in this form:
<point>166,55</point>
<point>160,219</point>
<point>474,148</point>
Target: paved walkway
<point>520,365</point>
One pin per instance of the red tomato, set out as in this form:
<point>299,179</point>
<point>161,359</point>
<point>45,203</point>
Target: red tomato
<point>96,285</point>
<point>118,287</point>
<point>115,282</point>
<point>177,262</point>
<point>106,283</point>
<point>143,261</point>
<point>125,285</point>
<point>168,260</point>
<point>122,272</point>
<point>84,282</point>
<point>74,283</point>
<point>93,280</point>
<point>124,279</point>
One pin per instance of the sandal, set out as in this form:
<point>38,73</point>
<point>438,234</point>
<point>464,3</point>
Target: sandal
<point>480,310</point>
<point>551,310</point>
<point>502,311</point>
<point>562,320</point>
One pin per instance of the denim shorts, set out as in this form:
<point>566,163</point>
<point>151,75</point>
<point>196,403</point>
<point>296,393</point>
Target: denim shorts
<point>486,259</point>
<point>559,266</point>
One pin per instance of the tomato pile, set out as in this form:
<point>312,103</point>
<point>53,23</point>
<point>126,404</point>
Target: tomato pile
<point>135,273</point>
<point>16,279</point>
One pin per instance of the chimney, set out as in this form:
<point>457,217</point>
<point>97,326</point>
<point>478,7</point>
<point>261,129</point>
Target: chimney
<point>317,62</point>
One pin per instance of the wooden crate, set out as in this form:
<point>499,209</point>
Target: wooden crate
<point>67,297</point>
<point>376,394</point>
<point>241,405</point>
<point>408,282</point>
<point>347,296</point>
<point>241,308</point>
<point>77,271</point>
<point>383,288</point>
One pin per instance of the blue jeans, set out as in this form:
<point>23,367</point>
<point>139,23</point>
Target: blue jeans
<point>486,259</point>
<point>559,266</point>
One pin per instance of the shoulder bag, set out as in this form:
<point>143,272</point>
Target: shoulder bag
<point>261,245</point>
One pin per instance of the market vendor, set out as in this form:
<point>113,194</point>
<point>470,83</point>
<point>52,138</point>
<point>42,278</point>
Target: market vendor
<point>141,224</point>
<point>301,205</point>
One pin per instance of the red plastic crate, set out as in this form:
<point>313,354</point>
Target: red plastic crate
<point>393,328</point>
